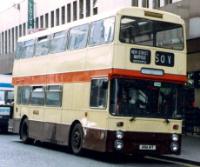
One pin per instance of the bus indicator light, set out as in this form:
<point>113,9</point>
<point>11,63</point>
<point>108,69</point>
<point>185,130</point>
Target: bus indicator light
<point>175,127</point>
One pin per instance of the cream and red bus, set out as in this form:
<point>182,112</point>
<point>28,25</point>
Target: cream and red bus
<point>109,83</point>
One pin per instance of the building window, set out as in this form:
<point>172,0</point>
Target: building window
<point>3,43</point>
<point>68,13</point>
<point>37,22</point>
<point>52,18</point>
<point>81,15</point>
<point>20,30</point>
<point>57,17</point>
<point>46,20</point>
<point>156,4</point>
<point>134,2</point>
<point>6,42</point>
<point>13,40</point>
<point>95,8</point>
<point>88,8</point>
<point>98,93</point>
<point>63,15</point>
<point>145,3</point>
<point>9,41</point>
<point>168,2</point>
<point>41,21</point>
<point>24,29</point>
<point>74,10</point>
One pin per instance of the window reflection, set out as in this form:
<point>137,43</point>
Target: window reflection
<point>151,33</point>
<point>102,31</point>
<point>143,99</point>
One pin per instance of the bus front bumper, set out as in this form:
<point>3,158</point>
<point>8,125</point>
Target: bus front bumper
<point>143,143</point>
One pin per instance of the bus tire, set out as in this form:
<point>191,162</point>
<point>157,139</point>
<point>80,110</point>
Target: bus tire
<point>24,132</point>
<point>76,139</point>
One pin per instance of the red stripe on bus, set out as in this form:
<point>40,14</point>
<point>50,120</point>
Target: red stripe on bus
<point>85,76</point>
<point>137,74</point>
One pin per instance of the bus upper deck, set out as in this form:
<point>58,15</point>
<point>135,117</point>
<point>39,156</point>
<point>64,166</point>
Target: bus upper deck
<point>155,47</point>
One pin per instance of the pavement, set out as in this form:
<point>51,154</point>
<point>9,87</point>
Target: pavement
<point>190,151</point>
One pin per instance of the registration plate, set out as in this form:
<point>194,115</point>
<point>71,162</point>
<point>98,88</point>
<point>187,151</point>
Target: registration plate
<point>147,147</point>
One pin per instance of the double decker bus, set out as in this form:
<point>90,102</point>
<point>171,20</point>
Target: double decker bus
<point>109,83</point>
<point>6,101</point>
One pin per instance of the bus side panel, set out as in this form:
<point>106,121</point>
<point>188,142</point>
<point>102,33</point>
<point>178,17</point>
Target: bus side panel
<point>49,132</point>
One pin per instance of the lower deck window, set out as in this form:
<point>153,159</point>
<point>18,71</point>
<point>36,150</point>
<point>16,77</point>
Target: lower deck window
<point>37,96</point>
<point>54,96</point>
<point>98,96</point>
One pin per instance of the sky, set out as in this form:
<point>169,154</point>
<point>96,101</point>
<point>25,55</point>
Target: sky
<point>5,4</point>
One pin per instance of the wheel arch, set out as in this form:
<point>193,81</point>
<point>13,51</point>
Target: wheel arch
<point>23,118</point>
<point>71,128</point>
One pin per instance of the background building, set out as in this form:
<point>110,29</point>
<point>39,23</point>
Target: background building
<point>189,11</point>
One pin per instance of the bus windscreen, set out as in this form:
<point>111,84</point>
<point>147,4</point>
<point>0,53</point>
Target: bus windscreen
<point>137,98</point>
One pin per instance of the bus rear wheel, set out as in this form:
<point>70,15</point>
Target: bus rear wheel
<point>76,139</point>
<point>24,131</point>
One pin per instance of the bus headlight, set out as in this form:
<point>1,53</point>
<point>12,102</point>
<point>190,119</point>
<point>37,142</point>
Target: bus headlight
<point>119,134</point>
<point>119,145</point>
<point>175,137</point>
<point>174,147</point>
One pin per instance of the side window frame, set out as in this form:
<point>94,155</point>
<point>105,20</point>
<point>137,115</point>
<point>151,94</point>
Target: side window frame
<point>104,100</point>
<point>52,37</point>
<point>90,44</point>
<point>21,91</point>
<point>24,52</point>
<point>60,95</point>
<point>31,95</point>
<point>69,47</point>
<point>38,40</point>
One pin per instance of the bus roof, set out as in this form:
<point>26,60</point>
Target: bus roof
<point>138,12</point>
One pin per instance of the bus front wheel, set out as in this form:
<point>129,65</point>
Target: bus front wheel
<point>76,139</point>
<point>24,131</point>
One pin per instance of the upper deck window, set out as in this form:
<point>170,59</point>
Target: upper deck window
<point>147,32</point>
<point>25,49</point>
<point>42,46</point>
<point>102,31</point>
<point>58,43</point>
<point>78,37</point>
<point>19,50</point>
